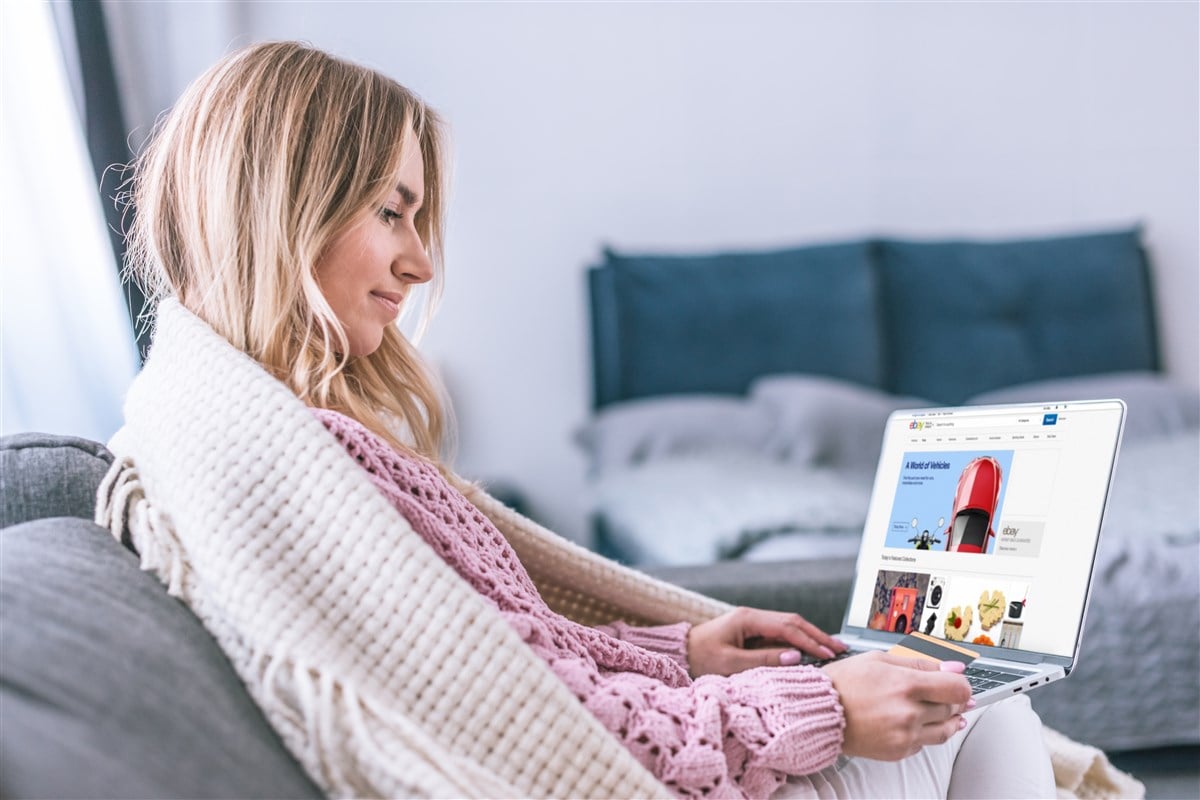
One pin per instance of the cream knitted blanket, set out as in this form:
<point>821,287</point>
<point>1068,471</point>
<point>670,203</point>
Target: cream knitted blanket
<point>384,673</point>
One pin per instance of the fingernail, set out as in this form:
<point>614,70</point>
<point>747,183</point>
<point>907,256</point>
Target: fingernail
<point>841,644</point>
<point>962,723</point>
<point>789,658</point>
<point>971,703</point>
<point>825,651</point>
<point>952,666</point>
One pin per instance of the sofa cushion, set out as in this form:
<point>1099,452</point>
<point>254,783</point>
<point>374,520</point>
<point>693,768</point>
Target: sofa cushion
<point>44,475</point>
<point>112,688</point>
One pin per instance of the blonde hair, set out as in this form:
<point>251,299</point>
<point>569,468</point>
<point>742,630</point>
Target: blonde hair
<point>265,158</point>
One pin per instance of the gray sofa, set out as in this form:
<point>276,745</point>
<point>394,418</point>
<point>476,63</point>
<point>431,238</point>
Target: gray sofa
<point>109,687</point>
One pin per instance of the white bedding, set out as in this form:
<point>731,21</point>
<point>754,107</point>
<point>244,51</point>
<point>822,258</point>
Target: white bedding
<point>1156,491</point>
<point>700,508</point>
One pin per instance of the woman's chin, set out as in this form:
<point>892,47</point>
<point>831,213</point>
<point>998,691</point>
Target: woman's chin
<point>361,347</point>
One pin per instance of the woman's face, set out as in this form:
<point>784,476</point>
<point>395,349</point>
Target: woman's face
<point>368,269</point>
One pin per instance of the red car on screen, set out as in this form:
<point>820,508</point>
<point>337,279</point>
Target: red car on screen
<point>975,502</point>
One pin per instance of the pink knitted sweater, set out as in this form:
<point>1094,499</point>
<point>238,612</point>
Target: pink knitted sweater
<point>713,737</point>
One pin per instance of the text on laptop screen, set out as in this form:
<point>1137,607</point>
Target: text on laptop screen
<point>984,522</point>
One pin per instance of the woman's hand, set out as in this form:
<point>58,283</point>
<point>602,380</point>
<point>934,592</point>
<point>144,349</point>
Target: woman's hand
<point>894,706</point>
<point>750,637</point>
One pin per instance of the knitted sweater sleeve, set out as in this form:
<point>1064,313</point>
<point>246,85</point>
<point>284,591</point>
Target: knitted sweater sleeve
<point>735,736</point>
<point>669,640</point>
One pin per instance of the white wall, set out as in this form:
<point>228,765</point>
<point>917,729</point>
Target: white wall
<point>667,127</point>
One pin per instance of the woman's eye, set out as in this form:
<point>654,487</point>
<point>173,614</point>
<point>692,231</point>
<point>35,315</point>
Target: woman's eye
<point>389,215</point>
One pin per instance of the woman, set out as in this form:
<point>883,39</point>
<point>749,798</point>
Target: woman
<point>295,203</point>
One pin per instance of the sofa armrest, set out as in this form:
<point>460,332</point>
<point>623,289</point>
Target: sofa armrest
<point>819,590</point>
<point>44,475</point>
<point>110,687</point>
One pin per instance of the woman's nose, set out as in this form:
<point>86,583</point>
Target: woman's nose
<point>414,266</point>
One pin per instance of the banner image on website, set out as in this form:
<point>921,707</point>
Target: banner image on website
<point>961,608</point>
<point>949,500</point>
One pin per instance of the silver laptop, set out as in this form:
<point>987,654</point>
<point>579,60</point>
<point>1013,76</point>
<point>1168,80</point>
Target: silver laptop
<point>982,532</point>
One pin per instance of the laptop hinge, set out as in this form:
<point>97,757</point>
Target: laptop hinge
<point>1022,657</point>
<point>1018,656</point>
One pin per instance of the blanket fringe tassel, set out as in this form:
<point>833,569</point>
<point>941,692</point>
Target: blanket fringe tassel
<point>122,508</point>
<point>406,761</point>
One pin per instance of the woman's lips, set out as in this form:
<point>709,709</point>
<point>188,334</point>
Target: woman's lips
<point>389,300</point>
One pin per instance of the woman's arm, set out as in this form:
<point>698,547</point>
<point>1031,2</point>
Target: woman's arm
<point>667,640</point>
<point>741,639</point>
<point>719,736</point>
<point>893,706</point>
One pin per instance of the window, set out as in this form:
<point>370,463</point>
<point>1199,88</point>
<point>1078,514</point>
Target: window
<point>68,350</point>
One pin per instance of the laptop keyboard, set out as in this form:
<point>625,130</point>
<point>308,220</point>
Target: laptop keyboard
<point>815,661</point>
<point>980,678</point>
<point>984,678</point>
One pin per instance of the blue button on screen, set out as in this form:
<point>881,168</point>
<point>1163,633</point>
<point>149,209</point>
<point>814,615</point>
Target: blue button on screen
<point>1050,419</point>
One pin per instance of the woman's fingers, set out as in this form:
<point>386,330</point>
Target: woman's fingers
<point>937,681</point>
<point>793,629</point>
<point>750,637</point>
<point>937,713</point>
<point>924,664</point>
<point>794,625</point>
<point>942,687</point>
<point>767,657</point>
<point>809,644</point>
<point>941,731</point>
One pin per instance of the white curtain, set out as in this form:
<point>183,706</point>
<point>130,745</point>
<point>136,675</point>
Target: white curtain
<point>68,349</point>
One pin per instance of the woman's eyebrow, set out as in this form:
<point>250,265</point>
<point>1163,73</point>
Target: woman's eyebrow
<point>409,197</point>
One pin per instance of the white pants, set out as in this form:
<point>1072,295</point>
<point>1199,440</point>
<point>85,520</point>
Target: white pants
<point>998,754</point>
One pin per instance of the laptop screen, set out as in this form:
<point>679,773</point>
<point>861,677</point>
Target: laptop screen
<point>984,522</point>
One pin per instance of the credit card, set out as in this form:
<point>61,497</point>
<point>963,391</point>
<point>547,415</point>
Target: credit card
<point>918,645</point>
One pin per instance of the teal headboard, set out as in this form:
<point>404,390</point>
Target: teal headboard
<point>941,320</point>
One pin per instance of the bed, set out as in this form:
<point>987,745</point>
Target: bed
<point>739,402</point>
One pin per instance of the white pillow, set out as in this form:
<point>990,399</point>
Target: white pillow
<point>638,431</point>
<point>699,508</point>
<point>825,422</point>
<point>1157,405</point>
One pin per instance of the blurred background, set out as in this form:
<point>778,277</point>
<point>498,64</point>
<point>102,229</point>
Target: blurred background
<point>655,127</point>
